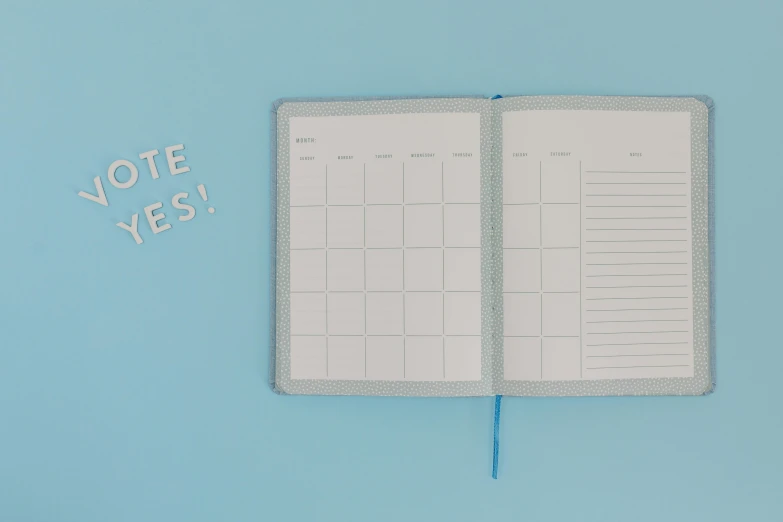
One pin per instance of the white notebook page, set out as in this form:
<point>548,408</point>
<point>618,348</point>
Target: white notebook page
<point>597,245</point>
<point>385,237</point>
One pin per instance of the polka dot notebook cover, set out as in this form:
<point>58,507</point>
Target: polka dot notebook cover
<point>467,246</point>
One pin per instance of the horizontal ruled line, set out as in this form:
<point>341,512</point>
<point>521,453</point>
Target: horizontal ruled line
<point>636,183</point>
<point>639,286</point>
<point>632,309</point>
<point>635,195</point>
<point>640,366</point>
<point>644,252</point>
<point>637,355</point>
<point>646,297</point>
<point>635,344</point>
<point>656,229</point>
<point>653,332</point>
<point>637,217</point>
<point>635,240</point>
<point>627,264</point>
<point>635,206</point>
<point>635,275</point>
<point>633,172</point>
<point>642,321</point>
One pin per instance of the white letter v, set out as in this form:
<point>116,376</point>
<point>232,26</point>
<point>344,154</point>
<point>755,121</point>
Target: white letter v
<point>101,197</point>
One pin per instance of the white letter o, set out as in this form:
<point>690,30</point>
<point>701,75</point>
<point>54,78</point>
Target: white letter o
<point>134,174</point>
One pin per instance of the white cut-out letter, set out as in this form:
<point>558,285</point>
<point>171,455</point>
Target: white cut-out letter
<point>153,218</point>
<point>101,197</point>
<point>134,174</point>
<point>150,157</point>
<point>176,203</point>
<point>133,228</point>
<point>173,160</point>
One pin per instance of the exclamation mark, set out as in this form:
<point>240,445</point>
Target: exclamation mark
<point>203,192</point>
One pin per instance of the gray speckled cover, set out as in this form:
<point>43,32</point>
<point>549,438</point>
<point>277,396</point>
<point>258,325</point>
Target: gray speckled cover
<point>492,382</point>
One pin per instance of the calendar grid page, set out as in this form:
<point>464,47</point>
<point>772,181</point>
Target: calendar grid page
<point>605,246</point>
<point>385,252</point>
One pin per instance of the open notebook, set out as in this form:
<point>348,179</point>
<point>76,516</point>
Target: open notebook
<point>530,245</point>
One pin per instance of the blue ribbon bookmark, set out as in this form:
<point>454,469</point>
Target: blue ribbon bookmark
<point>496,441</point>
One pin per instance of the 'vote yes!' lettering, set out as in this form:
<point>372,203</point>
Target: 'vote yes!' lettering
<point>178,201</point>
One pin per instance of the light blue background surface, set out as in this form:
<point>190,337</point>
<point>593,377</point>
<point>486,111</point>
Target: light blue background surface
<point>133,378</point>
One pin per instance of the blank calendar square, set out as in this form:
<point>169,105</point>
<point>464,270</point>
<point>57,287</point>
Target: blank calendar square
<point>423,182</point>
<point>385,358</point>
<point>346,357</point>
<point>383,183</point>
<point>384,269</point>
<point>423,225</point>
<point>345,313</point>
<point>561,360</point>
<point>521,226</point>
<point>462,225</point>
<point>522,314</point>
<point>308,186</point>
<point>561,270</point>
<point>345,184</point>
<point>462,313</point>
<point>462,268</point>
<point>423,269</point>
<point>521,183</point>
<point>461,181</point>
<point>384,313</point>
<point>424,313</point>
<point>560,225</point>
<point>463,358</point>
<point>521,270</point>
<point>345,227</point>
<point>308,227</point>
<point>561,314</point>
<point>560,182</point>
<point>308,270</point>
<point>308,357</point>
<point>424,358</point>
<point>384,226</point>
<point>345,270</point>
<point>308,314</point>
<point>522,358</point>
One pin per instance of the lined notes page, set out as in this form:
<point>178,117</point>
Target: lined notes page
<point>597,245</point>
<point>385,248</point>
